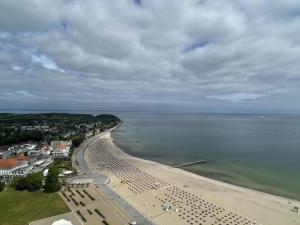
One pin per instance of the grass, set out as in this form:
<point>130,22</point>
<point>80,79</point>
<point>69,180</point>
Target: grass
<point>22,207</point>
<point>63,164</point>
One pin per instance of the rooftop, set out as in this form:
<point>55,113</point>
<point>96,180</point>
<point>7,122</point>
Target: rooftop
<point>12,162</point>
<point>8,163</point>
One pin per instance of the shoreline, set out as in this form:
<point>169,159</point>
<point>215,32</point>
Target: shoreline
<point>229,177</point>
<point>244,201</point>
<point>190,173</point>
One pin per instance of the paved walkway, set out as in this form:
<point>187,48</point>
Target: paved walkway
<point>100,181</point>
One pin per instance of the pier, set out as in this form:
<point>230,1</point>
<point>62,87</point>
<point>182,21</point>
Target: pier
<point>190,163</point>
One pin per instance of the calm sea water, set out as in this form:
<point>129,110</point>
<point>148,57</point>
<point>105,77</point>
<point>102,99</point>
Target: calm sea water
<point>248,150</point>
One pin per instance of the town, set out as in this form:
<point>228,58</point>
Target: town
<point>23,159</point>
<point>30,143</point>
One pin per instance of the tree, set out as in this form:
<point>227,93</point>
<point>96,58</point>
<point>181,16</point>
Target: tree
<point>22,184</point>
<point>35,182</point>
<point>2,186</point>
<point>52,183</point>
<point>77,140</point>
<point>32,182</point>
<point>14,182</point>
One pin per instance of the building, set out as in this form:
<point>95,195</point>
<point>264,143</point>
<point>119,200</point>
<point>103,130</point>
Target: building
<point>40,164</point>
<point>45,149</point>
<point>60,149</point>
<point>17,166</point>
<point>8,152</point>
<point>17,149</point>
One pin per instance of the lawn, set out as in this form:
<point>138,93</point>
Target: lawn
<point>63,164</point>
<point>22,207</point>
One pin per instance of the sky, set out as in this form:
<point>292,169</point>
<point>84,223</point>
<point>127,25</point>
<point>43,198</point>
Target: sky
<point>160,55</point>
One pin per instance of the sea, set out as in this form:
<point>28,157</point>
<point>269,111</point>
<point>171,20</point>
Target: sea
<point>260,152</point>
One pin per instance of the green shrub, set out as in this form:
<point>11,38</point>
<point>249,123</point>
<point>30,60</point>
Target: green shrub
<point>75,202</point>
<point>32,182</point>
<point>64,194</point>
<point>81,195</point>
<point>99,213</point>
<point>88,195</point>
<point>89,211</point>
<point>81,203</point>
<point>105,222</point>
<point>81,216</point>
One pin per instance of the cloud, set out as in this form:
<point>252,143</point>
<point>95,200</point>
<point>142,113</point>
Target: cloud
<point>24,93</point>
<point>41,59</point>
<point>237,97</point>
<point>16,67</point>
<point>137,2</point>
<point>4,35</point>
<point>45,62</point>
<point>180,53</point>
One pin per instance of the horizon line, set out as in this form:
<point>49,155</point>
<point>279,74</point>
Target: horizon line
<point>144,111</point>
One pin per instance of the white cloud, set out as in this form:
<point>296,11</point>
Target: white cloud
<point>16,67</point>
<point>236,97</point>
<point>45,62</point>
<point>4,35</point>
<point>24,93</point>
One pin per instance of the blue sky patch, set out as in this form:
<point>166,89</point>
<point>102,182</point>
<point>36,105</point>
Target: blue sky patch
<point>195,46</point>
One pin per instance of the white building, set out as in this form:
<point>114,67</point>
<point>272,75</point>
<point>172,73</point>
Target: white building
<point>17,149</point>
<point>60,149</point>
<point>17,166</point>
<point>42,163</point>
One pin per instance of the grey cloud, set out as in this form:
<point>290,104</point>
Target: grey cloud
<point>87,53</point>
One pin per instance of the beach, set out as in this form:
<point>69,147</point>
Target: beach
<point>167,195</point>
<point>260,154</point>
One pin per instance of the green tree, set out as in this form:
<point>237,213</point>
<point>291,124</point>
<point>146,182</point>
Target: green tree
<point>77,140</point>
<point>14,182</point>
<point>32,182</point>
<point>22,184</point>
<point>52,183</point>
<point>2,186</point>
<point>35,182</point>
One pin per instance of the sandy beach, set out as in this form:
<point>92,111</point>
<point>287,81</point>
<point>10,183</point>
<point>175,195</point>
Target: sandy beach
<point>169,196</point>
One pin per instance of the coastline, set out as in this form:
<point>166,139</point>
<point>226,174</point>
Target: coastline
<point>261,207</point>
<point>253,176</point>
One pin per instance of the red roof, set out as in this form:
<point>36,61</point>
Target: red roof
<point>8,163</point>
<point>12,162</point>
<point>62,146</point>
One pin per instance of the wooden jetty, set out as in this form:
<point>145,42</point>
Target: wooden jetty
<point>190,163</point>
